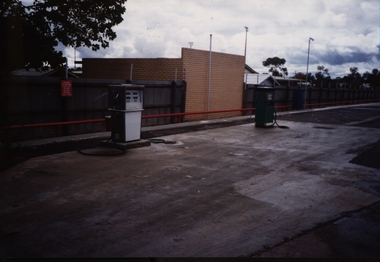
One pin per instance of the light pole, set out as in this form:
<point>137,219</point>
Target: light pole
<point>245,49</point>
<point>307,69</point>
<point>209,80</point>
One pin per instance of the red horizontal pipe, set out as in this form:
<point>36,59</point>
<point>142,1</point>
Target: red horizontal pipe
<point>198,113</point>
<point>58,123</point>
<point>103,119</point>
<point>172,114</point>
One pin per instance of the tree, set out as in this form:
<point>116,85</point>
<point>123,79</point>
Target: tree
<point>300,75</point>
<point>372,79</point>
<point>30,34</point>
<point>322,71</point>
<point>354,77</point>
<point>276,66</point>
<point>322,76</point>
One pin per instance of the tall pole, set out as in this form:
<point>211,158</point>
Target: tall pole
<point>209,79</point>
<point>67,69</point>
<point>307,69</point>
<point>245,49</point>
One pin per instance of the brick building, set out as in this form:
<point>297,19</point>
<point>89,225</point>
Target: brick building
<point>226,81</point>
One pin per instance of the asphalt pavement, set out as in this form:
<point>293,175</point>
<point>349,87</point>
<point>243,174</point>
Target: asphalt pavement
<point>219,188</point>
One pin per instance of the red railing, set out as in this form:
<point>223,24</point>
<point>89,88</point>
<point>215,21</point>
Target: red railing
<point>58,125</point>
<point>179,115</point>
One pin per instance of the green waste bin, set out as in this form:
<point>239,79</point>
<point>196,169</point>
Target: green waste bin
<point>264,112</point>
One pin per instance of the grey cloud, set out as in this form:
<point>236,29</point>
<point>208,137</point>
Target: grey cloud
<point>333,57</point>
<point>127,51</point>
<point>86,52</point>
<point>148,49</point>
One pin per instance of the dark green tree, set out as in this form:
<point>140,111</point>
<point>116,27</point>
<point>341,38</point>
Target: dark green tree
<point>30,34</point>
<point>322,76</point>
<point>375,79</point>
<point>354,78</point>
<point>322,72</point>
<point>372,79</point>
<point>276,66</point>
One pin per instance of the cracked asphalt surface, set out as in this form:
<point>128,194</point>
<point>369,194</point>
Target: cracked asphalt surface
<point>221,189</point>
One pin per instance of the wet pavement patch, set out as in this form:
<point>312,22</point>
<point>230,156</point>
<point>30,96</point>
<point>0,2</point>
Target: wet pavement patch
<point>354,235</point>
<point>338,116</point>
<point>375,123</point>
<point>368,156</point>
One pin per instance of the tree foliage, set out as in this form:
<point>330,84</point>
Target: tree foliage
<point>30,34</point>
<point>322,75</point>
<point>276,66</point>
<point>353,79</point>
<point>322,71</point>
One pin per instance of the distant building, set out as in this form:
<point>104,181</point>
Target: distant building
<point>61,72</point>
<point>290,82</point>
<point>249,70</point>
<point>261,80</point>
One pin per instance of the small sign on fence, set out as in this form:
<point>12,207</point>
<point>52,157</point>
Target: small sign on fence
<point>66,88</point>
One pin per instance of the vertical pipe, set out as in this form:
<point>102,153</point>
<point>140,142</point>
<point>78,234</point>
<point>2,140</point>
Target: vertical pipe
<point>67,69</point>
<point>246,79</point>
<point>245,48</point>
<point>209,79</point>
<point>131,73</point>
<point>307,72</point>
<point>65,106</point>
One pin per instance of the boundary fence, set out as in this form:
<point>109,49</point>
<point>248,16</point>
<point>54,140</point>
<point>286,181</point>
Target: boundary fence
<point>315,97</point>
<point>37,109</point>
<point>37,101</point>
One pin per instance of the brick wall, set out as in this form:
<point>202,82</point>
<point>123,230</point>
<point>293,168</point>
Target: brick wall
<point>226,85</point>
<point>143,68</point>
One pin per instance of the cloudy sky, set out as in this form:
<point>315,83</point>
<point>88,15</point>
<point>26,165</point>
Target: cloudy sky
<point>346,32</point>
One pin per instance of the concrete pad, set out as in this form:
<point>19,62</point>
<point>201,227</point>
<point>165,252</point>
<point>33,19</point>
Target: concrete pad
<point>222,192</point>
<point>125,145</point>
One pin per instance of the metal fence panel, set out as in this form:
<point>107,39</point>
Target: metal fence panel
<point>38,100</point>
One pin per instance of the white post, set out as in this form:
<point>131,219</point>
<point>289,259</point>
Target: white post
<point>209,79</point>
<point>67,68</point>
<point>307,69</point>
<point>245,49</point>
<point>131,73</point>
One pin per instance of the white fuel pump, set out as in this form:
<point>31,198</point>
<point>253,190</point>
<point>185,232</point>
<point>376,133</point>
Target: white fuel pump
<point>125,102</point>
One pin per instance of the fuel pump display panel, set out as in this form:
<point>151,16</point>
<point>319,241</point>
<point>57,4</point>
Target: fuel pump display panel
<point>125,97</point>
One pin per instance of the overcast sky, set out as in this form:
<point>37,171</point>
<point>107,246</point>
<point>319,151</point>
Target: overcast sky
<point>346,32</point>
